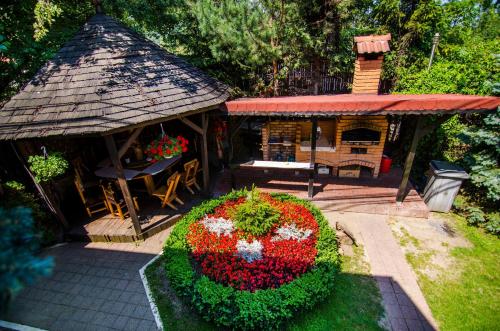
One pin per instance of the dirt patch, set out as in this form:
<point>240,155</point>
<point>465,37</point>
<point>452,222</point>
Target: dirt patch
<point>428,243</point>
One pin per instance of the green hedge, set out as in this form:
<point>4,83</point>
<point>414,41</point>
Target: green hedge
<point>262,309</point>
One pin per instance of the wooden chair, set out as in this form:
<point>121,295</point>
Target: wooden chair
<point>168,193</point>
<point>117,206</point>
<point>91,206</point>
<point>189,175</point>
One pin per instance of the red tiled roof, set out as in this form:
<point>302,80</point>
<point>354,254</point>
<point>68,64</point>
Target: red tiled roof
<point>372,44</point>
<point>362,104</point>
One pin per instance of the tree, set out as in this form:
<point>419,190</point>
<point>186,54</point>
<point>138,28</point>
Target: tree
<point>34,31</point>
<point>18,264</point>
<point>465,63</point>
<point>253,34</point>
<point>483,156</point>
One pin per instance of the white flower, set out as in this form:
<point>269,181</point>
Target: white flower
<point>218,225</point>
<point>249,251</point>
<point>291,232</point>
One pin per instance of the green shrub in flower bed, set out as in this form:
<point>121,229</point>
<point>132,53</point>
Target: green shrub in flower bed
<point>238,302</point>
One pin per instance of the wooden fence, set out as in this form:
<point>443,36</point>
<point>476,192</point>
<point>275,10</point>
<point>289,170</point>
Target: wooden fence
<point>300,81</point>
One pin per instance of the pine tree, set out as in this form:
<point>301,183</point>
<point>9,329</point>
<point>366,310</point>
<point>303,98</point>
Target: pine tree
<point>254,34</point>
<point>483,156</point>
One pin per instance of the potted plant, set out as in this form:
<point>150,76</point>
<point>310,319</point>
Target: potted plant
<point>166,147</point>
<point>45,169</point>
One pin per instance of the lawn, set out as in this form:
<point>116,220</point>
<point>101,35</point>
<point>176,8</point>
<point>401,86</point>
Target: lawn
<point>354,305</point>
<point>465,295</point>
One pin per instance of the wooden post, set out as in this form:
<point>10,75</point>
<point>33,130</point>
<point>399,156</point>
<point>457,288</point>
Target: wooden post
<point>204,152</point>
<point>312,162</point>
<point>409,161</point>
<point>113,155</point>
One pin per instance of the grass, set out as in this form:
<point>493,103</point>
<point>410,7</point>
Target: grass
<point>466,295</point>
<point>354,305</point>
<point>174,314</point>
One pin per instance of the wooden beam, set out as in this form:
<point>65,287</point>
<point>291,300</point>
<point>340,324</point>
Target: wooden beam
<point>409,161</point>
<point>123,149</point>
<point>421,129</point>
<point>233,130</point>
<point>312,161</point>
<point>192,125</point>
<point>113,154</point>
<point>133,137</point>
<point>204,152</point>
<point>236,128</point>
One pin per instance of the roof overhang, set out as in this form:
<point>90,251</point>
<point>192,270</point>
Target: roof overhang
<point>361,104</point>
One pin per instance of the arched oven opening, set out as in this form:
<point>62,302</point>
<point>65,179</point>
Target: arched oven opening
<point>356,169</point>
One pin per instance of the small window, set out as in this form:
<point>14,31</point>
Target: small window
<point>358,150</point>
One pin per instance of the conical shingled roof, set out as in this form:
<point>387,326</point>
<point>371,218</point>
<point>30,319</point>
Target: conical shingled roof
<point>106,78</point>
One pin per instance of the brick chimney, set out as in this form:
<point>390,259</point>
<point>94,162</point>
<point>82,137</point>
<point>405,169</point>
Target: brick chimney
<point>369,57</point>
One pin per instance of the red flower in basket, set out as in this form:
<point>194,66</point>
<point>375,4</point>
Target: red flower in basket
<point>165,147</point>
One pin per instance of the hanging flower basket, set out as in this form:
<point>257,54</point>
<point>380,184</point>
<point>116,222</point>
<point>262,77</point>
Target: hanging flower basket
<point>166,147</point>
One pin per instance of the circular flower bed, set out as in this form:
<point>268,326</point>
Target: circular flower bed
<point>251,260</point>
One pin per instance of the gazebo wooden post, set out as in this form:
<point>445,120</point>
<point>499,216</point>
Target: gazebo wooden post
<point>409,161</point>
<point>204,145</point>
<point>312,161</point>
<point>115,159</point>
<point>204,152</point>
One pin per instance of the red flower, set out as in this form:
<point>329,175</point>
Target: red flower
<point>169,152</point>
<point>282,260</point>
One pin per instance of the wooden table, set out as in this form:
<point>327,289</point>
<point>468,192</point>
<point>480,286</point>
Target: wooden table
<point>305,166</point>
<point>145,174</point>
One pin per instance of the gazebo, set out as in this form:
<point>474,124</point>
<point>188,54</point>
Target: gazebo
<point>108,79</point>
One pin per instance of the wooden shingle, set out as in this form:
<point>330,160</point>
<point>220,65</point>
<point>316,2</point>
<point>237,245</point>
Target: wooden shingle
<point>107,78</point>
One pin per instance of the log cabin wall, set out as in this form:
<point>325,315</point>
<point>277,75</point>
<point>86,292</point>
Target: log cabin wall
<point>331,151</point>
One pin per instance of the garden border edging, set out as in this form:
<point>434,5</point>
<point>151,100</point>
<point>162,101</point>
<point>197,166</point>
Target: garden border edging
<point>145,283</point>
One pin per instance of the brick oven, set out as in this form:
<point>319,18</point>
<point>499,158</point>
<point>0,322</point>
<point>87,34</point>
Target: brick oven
<point>345,142</point>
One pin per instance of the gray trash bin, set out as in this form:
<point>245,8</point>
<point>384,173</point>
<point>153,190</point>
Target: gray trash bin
<point>443,185</point>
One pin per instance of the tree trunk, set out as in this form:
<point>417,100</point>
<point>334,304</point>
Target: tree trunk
<point>317,76</point>
<point>275,78</point>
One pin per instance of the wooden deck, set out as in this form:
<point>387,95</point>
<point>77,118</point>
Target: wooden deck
<point>153,219</point>
<point>362,195</point>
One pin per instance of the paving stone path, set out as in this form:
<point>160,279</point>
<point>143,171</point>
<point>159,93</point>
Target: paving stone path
<point>403,300</point>
<point>94,286</point>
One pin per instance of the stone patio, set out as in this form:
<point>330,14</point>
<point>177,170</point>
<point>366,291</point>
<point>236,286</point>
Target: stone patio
<point>94,286</point>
